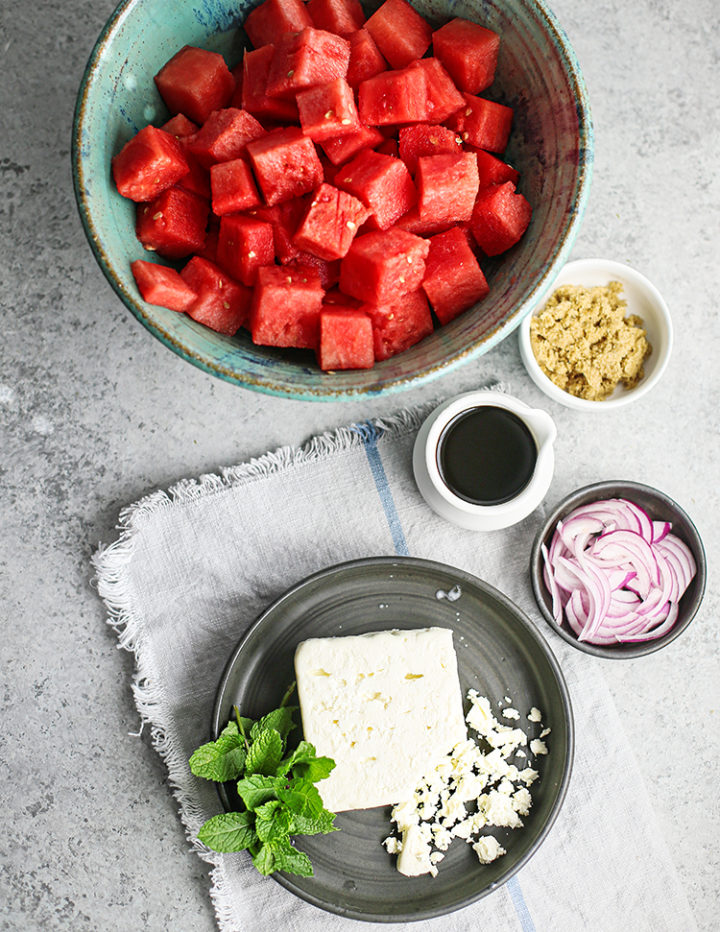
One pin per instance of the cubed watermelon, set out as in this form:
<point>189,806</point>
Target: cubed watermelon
<point>286,307</point>
<point>273,19</point>
<point>483,123</point>
<point>327,271</point>
<point>328,110</point>
<point>492,170</point>
<point>195,82</point>
<point>284,219</point>
<point>197,179</point>
<point>331,222</point>
<point>346,340</point>
<point>399,324</point>
<point>382,183</point>
<point>381,266</point>
<point>222,303</point>
<point>424,139</point>
<point>244,245</point>
<point>394,97</point>
<point>447,186</point>
<point>224,136</point>
<point>161,285</point>
<point>469,52</point>
<point>341,149</point>
<point>400,32</point>
<point>453,279</point>
<point>389,147</point>
<point>412,222</point>
<point>173,224</point>
<point>500,218</point>
<point>343,17</point>
<point>233,187</point>
<point>179,126</point>
<point>365,58</point>
<point>305,59</point>
<point>150,163</point>
<point>285,163</point>
<point>443,98</point>
<point>256,68</point>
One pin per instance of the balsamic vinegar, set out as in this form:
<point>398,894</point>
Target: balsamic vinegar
<point>487,455</point>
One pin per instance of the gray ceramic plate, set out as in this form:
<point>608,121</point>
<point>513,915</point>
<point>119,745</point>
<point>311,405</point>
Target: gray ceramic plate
<point>500,653</point>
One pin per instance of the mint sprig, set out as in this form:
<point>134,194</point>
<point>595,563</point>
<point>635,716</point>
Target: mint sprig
<point>276,787</point>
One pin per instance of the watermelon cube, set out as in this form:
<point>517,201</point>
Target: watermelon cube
<point>305,59</point>
<point>244,245</point>
<point>382,183</point>
<point>197,179</point>
<point>483,123</point>
<point>195,82</point>
<point>412,222</point>
<point>394,97</point>
<point>346,340</point>
<point>233,187</point>
<point>389,147</point>
<point>365,58</point>
<point>400,32</point>
<point>150,163</point>
<point>342,148</point>
<point>328,110</point>
<point>383,265</point>
<point>179,126</point>
<point>222,303</point>
<point>273,19</point>
<point>469,52</point>
<point>286,307</point>
<point>254,97</point>
<point>399,324</point>
<point>492,170</point>
<point>173,224</point>
<point>423,139</point>
<point>343,17</point>
<point>447,186</point>
<point>223,136</point>
<point>500,218</point>
<point>331,222</point>
<point>285,163</point>
<point>443,98</point>
<point>453,279</point>
<point>284,219</point>
<point>327,272</point>
<point>161,285</point>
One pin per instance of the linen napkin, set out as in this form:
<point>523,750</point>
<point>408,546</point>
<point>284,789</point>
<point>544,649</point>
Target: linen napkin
<point>195,565</point>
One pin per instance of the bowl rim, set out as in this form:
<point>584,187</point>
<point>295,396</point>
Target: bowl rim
<point>599,490</point>
<point>623,272</point>
<point>285,388</point>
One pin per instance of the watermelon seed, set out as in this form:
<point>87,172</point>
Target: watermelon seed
<point>466,136</point>
<point>329,115</point>
<point>290,73</point>
<point>251,254</point>
<point>220,283</point>
<point>226,305</point>
<point>158,215</point>
<point>468,112</point>
<point>409,259</point>
<point>305,280</point>
<point>402,280</point>
<point>150,248</point>
<point>145,209</point>
<point>346,122</point>
<point>350,225</point>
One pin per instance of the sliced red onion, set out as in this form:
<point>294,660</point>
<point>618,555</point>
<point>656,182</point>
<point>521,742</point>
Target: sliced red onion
<point>614,574</point>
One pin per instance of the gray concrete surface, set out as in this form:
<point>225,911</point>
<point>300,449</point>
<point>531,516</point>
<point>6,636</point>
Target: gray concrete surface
<point>94,413</point>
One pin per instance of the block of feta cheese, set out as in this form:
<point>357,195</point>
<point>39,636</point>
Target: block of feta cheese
<point>386,706</point>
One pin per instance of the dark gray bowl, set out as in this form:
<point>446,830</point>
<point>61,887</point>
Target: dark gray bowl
<point>660,507</point>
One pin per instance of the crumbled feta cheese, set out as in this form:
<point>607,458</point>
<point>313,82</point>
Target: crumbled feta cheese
<point>467,776</point>
<point>508,700</point>
<point>534,715</point>
<point>545,732</point>
<point>488,849</point>
<point>498,810</point>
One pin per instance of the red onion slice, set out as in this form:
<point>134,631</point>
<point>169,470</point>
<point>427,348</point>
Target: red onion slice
<point>614,574</point>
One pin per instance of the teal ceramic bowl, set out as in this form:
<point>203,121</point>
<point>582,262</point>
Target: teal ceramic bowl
<point>551,145</point>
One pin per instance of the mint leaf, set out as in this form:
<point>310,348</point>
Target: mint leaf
<point>301,798</point>
<point>320,824</point>
<point>220,760</point>
<point>265,753</point>
<point>280,719</point>
<point>230,831</point>
<point>281,856</point>
<point>256,790</point>
<point>313,770</point>
<point>272,821</point>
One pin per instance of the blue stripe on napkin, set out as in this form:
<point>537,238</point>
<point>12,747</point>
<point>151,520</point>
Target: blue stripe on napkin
<point>369,436</point>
